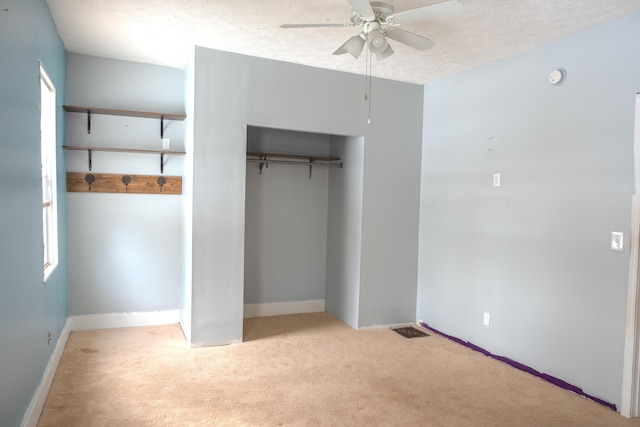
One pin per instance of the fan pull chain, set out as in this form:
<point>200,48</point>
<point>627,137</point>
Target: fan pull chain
<point>366,77</point>
<point>370,67</point>
<point>367,82</point>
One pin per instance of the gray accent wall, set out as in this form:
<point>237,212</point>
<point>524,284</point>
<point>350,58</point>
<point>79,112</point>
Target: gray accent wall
<point>29,308</point>
<point>285,220</point>
<point>233,91</point>
<point>187,203</point>
<point>534,252</point>
<point>344,240</point>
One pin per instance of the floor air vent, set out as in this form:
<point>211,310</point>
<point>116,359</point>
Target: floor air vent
<point>410,332</point>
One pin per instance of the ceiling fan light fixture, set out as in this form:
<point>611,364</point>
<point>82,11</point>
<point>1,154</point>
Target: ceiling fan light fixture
<point>352,46</point>
<point>377,42</point>
<point>379,22</point>
<point>385,53</point>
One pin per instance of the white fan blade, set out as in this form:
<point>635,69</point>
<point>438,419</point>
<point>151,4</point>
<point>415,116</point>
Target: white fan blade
<point>362,8</point>
<point>410,39</point>
<point>385,53</point>
<point>434,11</point>
<point>353,46</point>
<point>314,25</point>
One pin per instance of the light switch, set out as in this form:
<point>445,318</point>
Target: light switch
<point>166,144</point>
<point>617,240</point>
<point>496,179</point>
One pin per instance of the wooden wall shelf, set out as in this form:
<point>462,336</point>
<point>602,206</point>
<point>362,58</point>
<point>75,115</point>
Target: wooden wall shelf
<point>127,113</point>
<point>80,182</point>
<point>114,183</point>
<point>125,150</point>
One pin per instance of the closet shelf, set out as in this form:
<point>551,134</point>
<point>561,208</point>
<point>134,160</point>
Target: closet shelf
<point>293,159</point>
<point>125,150</point>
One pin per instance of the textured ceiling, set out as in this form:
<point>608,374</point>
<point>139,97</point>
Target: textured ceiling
<point>163,32</point>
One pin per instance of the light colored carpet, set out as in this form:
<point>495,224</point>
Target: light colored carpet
<point>300,370</point>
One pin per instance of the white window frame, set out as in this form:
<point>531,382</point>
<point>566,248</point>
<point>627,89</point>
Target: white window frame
<point>48,145</point>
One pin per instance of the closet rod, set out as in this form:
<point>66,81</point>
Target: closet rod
<point>293,162</point>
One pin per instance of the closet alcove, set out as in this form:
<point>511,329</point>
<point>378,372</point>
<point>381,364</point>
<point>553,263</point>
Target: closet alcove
<point>302,225</point>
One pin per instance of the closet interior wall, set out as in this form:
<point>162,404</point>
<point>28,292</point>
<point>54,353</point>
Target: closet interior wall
<point>303,232</point>
<point>286,220</point>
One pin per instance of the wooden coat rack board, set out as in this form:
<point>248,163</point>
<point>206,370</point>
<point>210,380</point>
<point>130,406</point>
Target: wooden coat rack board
<point>81,182</point>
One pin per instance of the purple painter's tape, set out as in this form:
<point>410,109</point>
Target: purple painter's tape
<point>518,365</point>
<point>549,378</point>
<point>477,348</point>
<point>562,384</point>
<point>449,337</point>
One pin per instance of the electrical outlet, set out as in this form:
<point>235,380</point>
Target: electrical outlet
<point>496,179</point>
<point>486,318</point>
<point>617,240</point>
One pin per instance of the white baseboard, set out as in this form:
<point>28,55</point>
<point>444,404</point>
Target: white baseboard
<point>123,320</point>
<point>280,308</point>
<point>390,325</point>
<point>83,323</point>
<point>36,406</point>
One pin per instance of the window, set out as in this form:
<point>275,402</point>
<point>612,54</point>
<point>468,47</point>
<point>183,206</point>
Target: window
<point>48,162</point>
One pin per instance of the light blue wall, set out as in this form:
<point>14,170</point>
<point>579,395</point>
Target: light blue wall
<point>534,253</point>
<point>29,309</point>
<point>125,250</point>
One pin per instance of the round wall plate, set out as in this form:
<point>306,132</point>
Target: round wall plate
<point>556,76</point>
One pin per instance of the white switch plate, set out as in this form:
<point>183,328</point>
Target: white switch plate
<point>617,240</point>
<point>166,144</point>
<point>496,179</point>
<point>486,318</point>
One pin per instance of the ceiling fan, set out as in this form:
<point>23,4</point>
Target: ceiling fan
<point>379,22</point>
